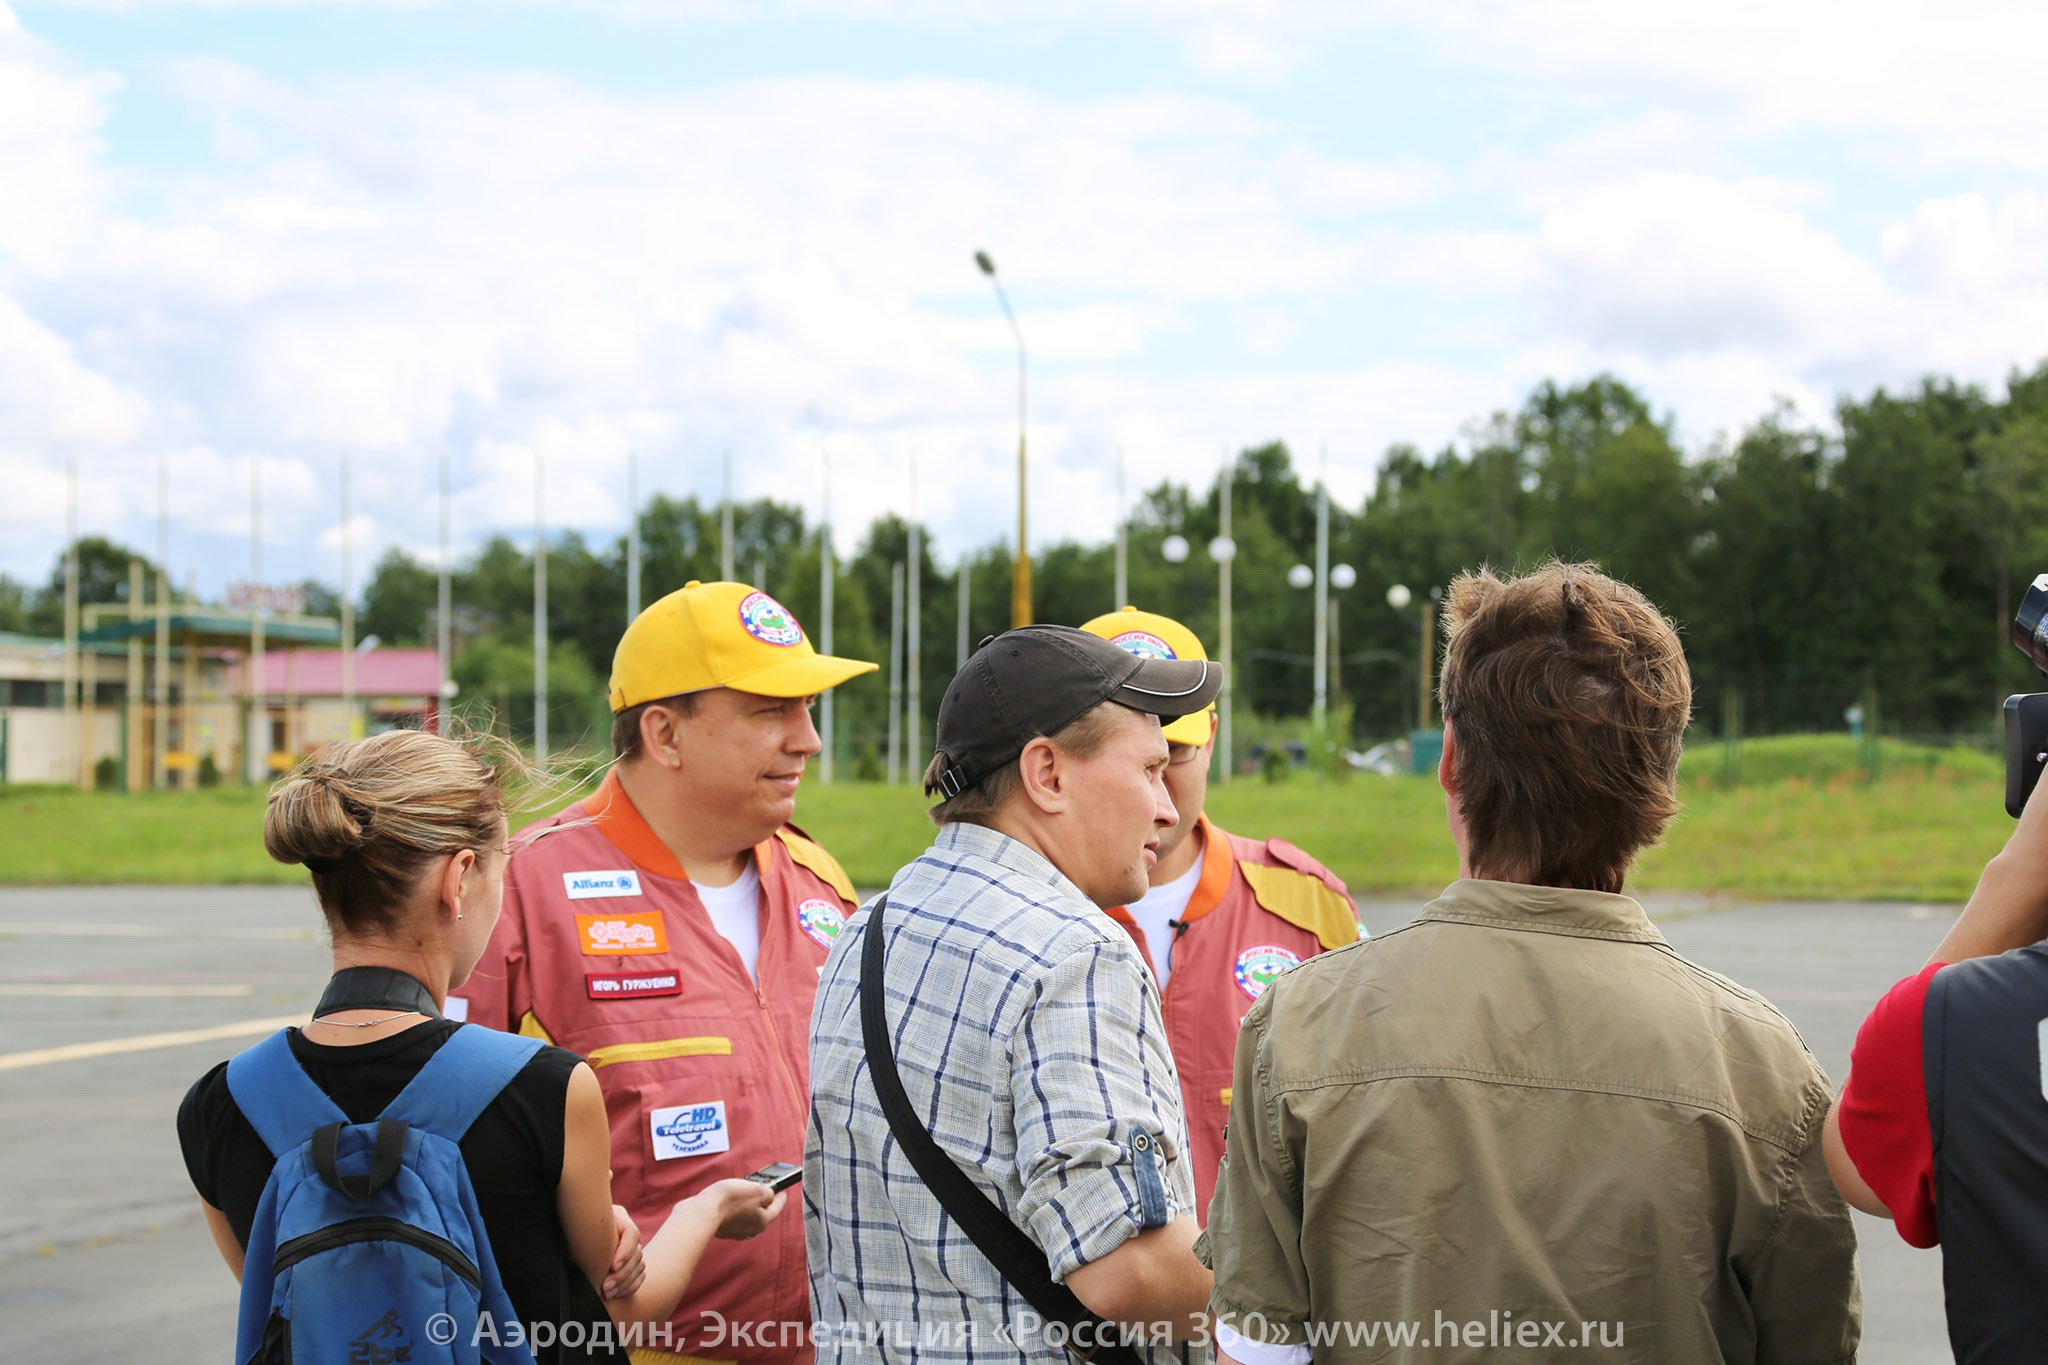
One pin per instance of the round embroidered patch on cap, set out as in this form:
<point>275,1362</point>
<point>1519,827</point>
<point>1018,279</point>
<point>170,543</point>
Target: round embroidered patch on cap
<point>768,621</point>
<point>1260,967</point>
<point>822,920</point>
<point>1144,644</point>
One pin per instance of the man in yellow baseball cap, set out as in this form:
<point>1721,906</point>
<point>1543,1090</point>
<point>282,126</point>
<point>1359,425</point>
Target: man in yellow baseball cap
<point>671,926</point>
<point>1224,915</point>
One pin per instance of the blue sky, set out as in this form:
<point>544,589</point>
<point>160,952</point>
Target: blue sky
<point>280,233</point>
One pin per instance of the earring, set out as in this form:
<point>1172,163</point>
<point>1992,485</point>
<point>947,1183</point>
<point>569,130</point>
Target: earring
<point>458,914</point>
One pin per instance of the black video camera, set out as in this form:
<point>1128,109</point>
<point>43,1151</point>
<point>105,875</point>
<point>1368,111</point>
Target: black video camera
<point>2026,716</point>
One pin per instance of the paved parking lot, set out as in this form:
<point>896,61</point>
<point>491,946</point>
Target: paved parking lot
<point>103,1255</point>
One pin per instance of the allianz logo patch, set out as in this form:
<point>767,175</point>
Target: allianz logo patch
<point>583,886</point>
<point>689,1130</point>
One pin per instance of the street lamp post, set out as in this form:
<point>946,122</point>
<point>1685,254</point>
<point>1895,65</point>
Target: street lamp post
<point>540,613</point>
<point>1223,550</point>
<point>1398,597</point>
<point>1322,601</point>
<point>1020,583</point>
<point>1323,578</point>
<point>826,574</point>
<point>1123,576</point>
<point>633,536</point>
<point>1342,578</point>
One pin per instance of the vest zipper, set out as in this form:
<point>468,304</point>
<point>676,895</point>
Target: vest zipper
<point>377,1230</point>
<point>803,1103</point>
<point>771,943</point>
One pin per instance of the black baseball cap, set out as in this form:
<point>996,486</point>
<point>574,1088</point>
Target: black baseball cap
<point>1035,680</point>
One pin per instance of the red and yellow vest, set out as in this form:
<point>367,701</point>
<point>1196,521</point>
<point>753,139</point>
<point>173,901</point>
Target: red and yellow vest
<point>1258,909</point>
<point>604,949</point>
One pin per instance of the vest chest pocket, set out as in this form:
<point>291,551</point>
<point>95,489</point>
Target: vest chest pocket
<point>690,1126</point>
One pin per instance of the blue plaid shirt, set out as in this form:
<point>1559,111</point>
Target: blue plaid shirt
<point>1027,1033</point>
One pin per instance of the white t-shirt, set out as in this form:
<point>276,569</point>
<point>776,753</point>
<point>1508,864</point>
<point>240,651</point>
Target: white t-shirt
<point>1161,904</point>
<point>736,913</point>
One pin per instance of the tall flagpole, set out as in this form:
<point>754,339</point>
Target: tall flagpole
<point>74,704</point>
<point>443,627</point>
<point>914,663</point>
<point>962,573</point>
<point>540,613</point>
<point>895,672</point>
<point>1123,558</point>
<point>825,576</point>
<point>632,536</point>
<point>258,738</point>
<point>348,616</point>
<point>1322,599</point>
<point>725,546</point>
<point>160,694</point>
<point>1224,623</point>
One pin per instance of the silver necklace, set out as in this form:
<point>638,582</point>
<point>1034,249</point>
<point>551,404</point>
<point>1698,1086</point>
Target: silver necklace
<point>367,1023</point>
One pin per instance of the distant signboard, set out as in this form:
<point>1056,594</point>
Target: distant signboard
<point>246,596</point>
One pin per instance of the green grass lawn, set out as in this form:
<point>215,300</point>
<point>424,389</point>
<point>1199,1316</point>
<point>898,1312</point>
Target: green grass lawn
<point>1803,823</point>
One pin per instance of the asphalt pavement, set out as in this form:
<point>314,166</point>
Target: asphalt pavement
<point>113,1000</point>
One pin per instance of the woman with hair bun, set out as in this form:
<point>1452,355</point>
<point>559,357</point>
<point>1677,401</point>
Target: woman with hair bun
<point>405,836</point>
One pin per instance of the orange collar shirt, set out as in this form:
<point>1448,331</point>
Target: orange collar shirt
<point>604,948</point>
<point>1258,909</point>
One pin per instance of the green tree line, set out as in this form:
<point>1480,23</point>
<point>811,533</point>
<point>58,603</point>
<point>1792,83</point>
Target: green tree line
<point>1878,559</point>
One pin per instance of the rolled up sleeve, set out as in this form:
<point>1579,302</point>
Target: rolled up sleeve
<point>1253,1242</point>
<point>1100,1136</point>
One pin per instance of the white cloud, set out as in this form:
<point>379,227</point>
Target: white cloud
<point>1236,49</point>
<point>48,394</point>
<point>1670,263</point>
<point>500,264</point>
<point>1957,85</point>
<point>494,265</point>
<point>51,188</point>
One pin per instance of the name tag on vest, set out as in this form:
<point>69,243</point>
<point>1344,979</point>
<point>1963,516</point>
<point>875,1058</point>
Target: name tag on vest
<point>583,886</point>
<point>631,985</point>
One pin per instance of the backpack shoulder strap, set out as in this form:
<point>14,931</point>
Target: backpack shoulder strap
<point>277,1096</point>
<point>461,1079</point>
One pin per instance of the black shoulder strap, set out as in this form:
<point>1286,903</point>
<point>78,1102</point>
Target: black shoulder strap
<point>1017,1258</point>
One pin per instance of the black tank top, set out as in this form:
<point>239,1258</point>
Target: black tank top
<point>513,1151</point>
<point>1984,1036</point>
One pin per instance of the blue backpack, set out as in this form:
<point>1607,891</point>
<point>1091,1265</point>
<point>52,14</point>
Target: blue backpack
<point>367,1247</point>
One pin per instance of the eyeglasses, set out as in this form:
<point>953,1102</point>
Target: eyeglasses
<point>1180,755</point>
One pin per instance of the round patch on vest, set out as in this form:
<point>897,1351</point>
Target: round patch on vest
<point>822,920</point>
<point>1144,644</point>
<point>768,621</point>
<point>1260,967</point>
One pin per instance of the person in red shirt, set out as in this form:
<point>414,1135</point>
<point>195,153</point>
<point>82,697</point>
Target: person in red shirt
<point>670,929</point>
<point>1225,914</point>
<point>1942,1124</point>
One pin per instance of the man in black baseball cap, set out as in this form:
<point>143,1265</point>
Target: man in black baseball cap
<point>1023,1021</point>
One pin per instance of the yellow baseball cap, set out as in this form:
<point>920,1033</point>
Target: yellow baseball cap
<point>721,635</point>
<point>1152,636</point>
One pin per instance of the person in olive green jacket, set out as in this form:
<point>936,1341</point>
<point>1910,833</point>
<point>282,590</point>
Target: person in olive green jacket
<point>1522,1127</point>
